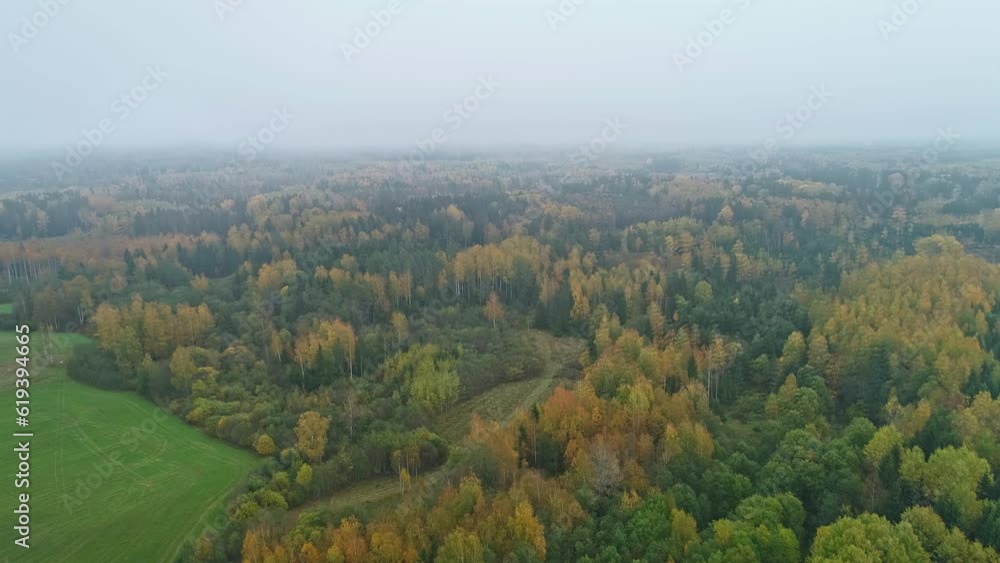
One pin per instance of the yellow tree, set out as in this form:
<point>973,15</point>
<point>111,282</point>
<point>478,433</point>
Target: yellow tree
<point>461,547</point>
<point>182,369</point>
<point>349,543</point>
<point>265,445</point>
<point>347,338</point>
<point>494,309</point>
<point>385,544</point>
<point>309,554</point>
<point>304,351</point>
<point>657,323</point>
<point>581,305</point>
<point>311,434</point>
<point>109,323</point>
<point>252,548</point>
<point>527,528</point>
<point>404,479</point>
<point>400,326</point>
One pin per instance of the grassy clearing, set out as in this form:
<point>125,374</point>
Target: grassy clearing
<point>372,493</point>
<point>501,402</point>
<point>113,478</point>
<point>497,404</point>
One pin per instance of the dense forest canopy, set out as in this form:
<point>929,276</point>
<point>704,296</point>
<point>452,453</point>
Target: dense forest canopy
<point>795,361</point>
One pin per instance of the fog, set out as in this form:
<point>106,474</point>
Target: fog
<point>211,73</point>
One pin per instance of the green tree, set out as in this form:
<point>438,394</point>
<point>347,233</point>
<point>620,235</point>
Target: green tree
<point>461,547</point>
<point>946,545</point>
<point>869,538</point>
<point>432,379</point>
<point>703,293</point>
<point>182,369</point>
<point>305,476</point>
<point>793,355</point>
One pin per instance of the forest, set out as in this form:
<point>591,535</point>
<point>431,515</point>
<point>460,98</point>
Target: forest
<point>735,361</point>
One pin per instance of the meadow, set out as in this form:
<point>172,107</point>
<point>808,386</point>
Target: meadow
<point>113,477</point>
<point>500,403</point>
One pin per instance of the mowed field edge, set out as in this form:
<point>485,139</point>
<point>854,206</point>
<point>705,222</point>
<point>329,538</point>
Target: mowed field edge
<point>114,478</point>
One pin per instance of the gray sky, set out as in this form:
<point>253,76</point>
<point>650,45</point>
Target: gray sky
<point>559,78</point>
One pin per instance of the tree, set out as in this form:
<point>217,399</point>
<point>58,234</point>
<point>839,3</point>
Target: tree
<point>794,352</point>
<point>400,327</point>
<point>265,445</point>
<point>349,543</point>
<point>309,554</point>
<point>868,538</point>
<point>461,547</point>
<point>606,473</point>
<point>657,323</point>
<point>385,544</point>
<point>703,292</point>
<point>819,351</point>
<point>305,476</point>
<point>885,440</point>
<point>252,548</point>
<point>527,529</point>
<point>273,499</point>
<point>494,309</point>
<point>404,479</point>
<point>432,379</point>
<point>954,476</point>
<point>182,369</point>
<point>760,529</point>
<point>944,544</point>
<point>92,365</point>
<point>683,533</point>
<point>311,434</point>
<point>204,550</point>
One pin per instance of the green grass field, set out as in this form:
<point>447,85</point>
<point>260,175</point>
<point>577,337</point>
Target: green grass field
<point>113,478</point>
<point>6,308</point>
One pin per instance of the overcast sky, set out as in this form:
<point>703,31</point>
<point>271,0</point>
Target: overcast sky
<point>557,76</point>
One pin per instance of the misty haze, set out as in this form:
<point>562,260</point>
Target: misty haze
<point>500,281</point>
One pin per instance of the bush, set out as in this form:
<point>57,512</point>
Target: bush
<point>93,366</point>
